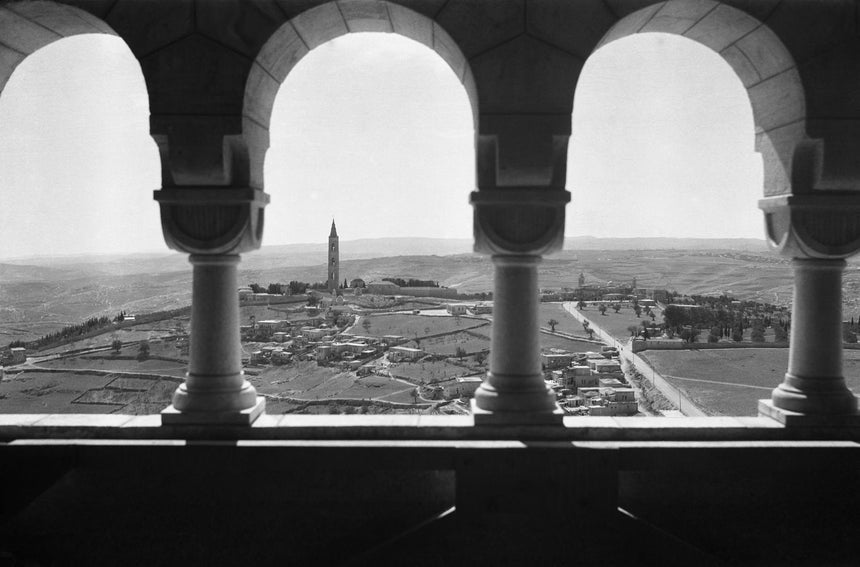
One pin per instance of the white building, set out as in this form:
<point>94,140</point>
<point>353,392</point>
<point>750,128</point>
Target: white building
<point>400,353</point>
<point>19,355</point>
<point>461,387</point>
<point>457,308</point>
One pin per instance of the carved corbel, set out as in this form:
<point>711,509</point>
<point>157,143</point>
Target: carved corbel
<point>820,224</point>
<point>212,220</point>
<point>519,220</point>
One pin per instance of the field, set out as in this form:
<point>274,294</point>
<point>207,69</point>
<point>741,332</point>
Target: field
<point>616,323</point>
<point>307,381</point>
<point>120,363</point>
<point>431,371</point>
<point>48,392</point>
<point>551,341</point>
<point>264,312</point>
<point>413,326</point>
<point>567,323</point>
<point>447,345</point>
<point>731,381</point>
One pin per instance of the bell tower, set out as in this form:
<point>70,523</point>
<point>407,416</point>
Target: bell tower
<point>333,264</point>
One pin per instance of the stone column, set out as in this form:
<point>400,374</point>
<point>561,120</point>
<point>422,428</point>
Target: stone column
<point>814,383</point>
<point>817,230</point>
<point>517,226</point>
<point>515,382</point>
<point>213,225</point>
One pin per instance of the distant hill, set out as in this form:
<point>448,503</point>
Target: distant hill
<point>593,243</point>
<point>306,254</point>
<point>40,295</point>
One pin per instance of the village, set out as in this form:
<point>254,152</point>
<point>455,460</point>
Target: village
<point>395,344</point>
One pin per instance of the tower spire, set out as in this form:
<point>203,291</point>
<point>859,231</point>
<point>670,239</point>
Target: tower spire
<point>333,260</point>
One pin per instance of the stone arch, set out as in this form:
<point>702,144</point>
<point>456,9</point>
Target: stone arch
<point>26,27</point>
<point>763,64</point>
<point>297,37</point>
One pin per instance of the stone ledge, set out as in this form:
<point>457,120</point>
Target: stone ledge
<point>419,427</point>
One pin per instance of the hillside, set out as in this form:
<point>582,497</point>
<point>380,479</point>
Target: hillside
<point>40,295</point>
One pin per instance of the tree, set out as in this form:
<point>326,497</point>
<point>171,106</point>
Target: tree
<point>552,323</point>
<point>757,334</point>
<point>690,334</point>
<point>116,345</point>
<point>637,310</point>
<point>366,324</point>
<point>256,288</point>
<point>617,307</point>
<point>313,301</point>
<point>779,333</point>
<point>275,289</point>
<point>714,335</point>
<point>580,305</point>
<point>143,350</point>
<point>737,334</point>
<point>602,309</point>
<point>848,335</point>
<point>297,288</point>
<point>590,332</point>
<point>634,330</point>
<point>459,352</point>
<point>674,316</point>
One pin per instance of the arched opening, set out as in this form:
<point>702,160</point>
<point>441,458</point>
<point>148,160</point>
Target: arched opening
<point>671,137</point>
<point>662,144</point>
<point>375,131</point>
<point>76,157</point>
<point>77,168</point>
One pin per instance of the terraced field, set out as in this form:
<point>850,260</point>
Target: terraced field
<point>731,381</point>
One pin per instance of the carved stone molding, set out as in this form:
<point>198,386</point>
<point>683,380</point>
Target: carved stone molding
<point>212,220</point>
<point>519,220</point>
<point>819,224</point>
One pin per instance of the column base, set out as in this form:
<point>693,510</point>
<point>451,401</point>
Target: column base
<point>792,418</point>
<point>172,416</point>
<point>814,396</point>
<point>547,417</point>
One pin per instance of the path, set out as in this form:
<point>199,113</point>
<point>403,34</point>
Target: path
<point>625,352</point>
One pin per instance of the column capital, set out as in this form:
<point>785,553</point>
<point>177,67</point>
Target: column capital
<point>212,220</point>
<point>821,224</point>
<point>519,220</point>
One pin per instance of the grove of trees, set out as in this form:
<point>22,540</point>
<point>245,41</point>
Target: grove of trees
<point>411,282</point>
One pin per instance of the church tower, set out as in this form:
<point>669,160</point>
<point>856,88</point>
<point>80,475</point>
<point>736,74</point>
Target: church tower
<point>333,260</point>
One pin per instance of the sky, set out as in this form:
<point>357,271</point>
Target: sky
<point>375,131</point>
